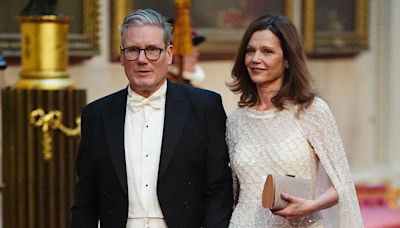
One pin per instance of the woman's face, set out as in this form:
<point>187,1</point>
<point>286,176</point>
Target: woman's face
<point>264,59</point>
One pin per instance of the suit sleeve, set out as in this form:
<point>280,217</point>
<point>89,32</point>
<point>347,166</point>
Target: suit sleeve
<point>84,212</point>
<point>219,193</point>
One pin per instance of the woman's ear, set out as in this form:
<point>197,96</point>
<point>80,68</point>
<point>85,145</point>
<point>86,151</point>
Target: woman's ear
<point>286,64</point>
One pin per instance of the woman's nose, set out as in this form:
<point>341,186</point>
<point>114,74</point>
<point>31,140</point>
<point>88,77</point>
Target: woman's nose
<point>256,57</point>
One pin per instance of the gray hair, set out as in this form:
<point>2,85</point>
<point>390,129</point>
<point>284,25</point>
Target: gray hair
<point>147,17</point>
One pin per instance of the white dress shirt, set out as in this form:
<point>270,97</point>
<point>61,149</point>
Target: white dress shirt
<point>143,136</point>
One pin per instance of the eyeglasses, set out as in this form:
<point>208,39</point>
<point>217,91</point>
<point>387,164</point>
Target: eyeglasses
<point>151,53</point>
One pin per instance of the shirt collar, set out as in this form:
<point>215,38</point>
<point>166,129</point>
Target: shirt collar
<point>161,92</point>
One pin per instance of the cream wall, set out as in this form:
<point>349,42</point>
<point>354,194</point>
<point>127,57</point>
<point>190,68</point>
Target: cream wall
<point>363,91</point>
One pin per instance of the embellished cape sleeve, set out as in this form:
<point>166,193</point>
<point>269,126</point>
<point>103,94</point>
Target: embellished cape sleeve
<point>321,131</point>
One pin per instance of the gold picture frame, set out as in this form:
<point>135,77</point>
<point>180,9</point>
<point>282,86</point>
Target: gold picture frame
<point>83,36</point>
<point>335,27</point>
<point>221,42</point>
<point>119,9</point>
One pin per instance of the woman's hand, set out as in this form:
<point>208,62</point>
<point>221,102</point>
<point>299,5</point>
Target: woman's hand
<point>297,208</point>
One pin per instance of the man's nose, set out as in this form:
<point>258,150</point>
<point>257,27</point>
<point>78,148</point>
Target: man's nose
<point>142,56</point>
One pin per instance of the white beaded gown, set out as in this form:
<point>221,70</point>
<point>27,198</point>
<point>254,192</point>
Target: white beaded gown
<point>277,142</point>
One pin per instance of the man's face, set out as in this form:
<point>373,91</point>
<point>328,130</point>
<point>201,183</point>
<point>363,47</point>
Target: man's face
<point>145,76</point>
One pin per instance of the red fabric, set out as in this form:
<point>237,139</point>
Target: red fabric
<point>375,209</point>
<point>370,195</point>
<point>380,217</point>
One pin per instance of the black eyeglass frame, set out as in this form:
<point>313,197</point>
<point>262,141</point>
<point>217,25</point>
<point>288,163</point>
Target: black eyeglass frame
<point>145,52</point>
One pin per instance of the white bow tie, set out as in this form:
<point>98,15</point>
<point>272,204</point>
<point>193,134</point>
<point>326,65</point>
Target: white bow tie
<point>137,103</point>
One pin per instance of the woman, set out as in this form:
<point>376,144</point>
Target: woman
<point>281,127</point>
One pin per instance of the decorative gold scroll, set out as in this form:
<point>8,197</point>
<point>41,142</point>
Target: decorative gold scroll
<point>52,121</point>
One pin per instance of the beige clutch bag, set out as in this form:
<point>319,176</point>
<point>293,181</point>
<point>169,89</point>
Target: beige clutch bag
<point>277,184</point>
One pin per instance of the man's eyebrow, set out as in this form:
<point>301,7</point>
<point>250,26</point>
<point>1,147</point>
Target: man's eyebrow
<point>147,46</point>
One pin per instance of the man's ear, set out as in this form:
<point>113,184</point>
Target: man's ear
<point>121,55</point>
<point>121,58</point>
<point>170,53</point>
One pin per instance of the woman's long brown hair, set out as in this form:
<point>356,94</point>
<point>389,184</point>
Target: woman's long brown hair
<point>296,86</point>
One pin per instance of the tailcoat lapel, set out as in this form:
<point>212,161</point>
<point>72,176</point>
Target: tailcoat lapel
<point>114,125</point>
<point>176,111</point>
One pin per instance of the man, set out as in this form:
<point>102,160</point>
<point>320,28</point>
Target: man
<point>153,154</point>
<point>192,72</point>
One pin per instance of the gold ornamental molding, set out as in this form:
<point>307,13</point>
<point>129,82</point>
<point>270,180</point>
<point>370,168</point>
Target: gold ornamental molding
<point>52,121</point>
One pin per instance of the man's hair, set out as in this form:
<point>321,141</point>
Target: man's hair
<point>147,17</point>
